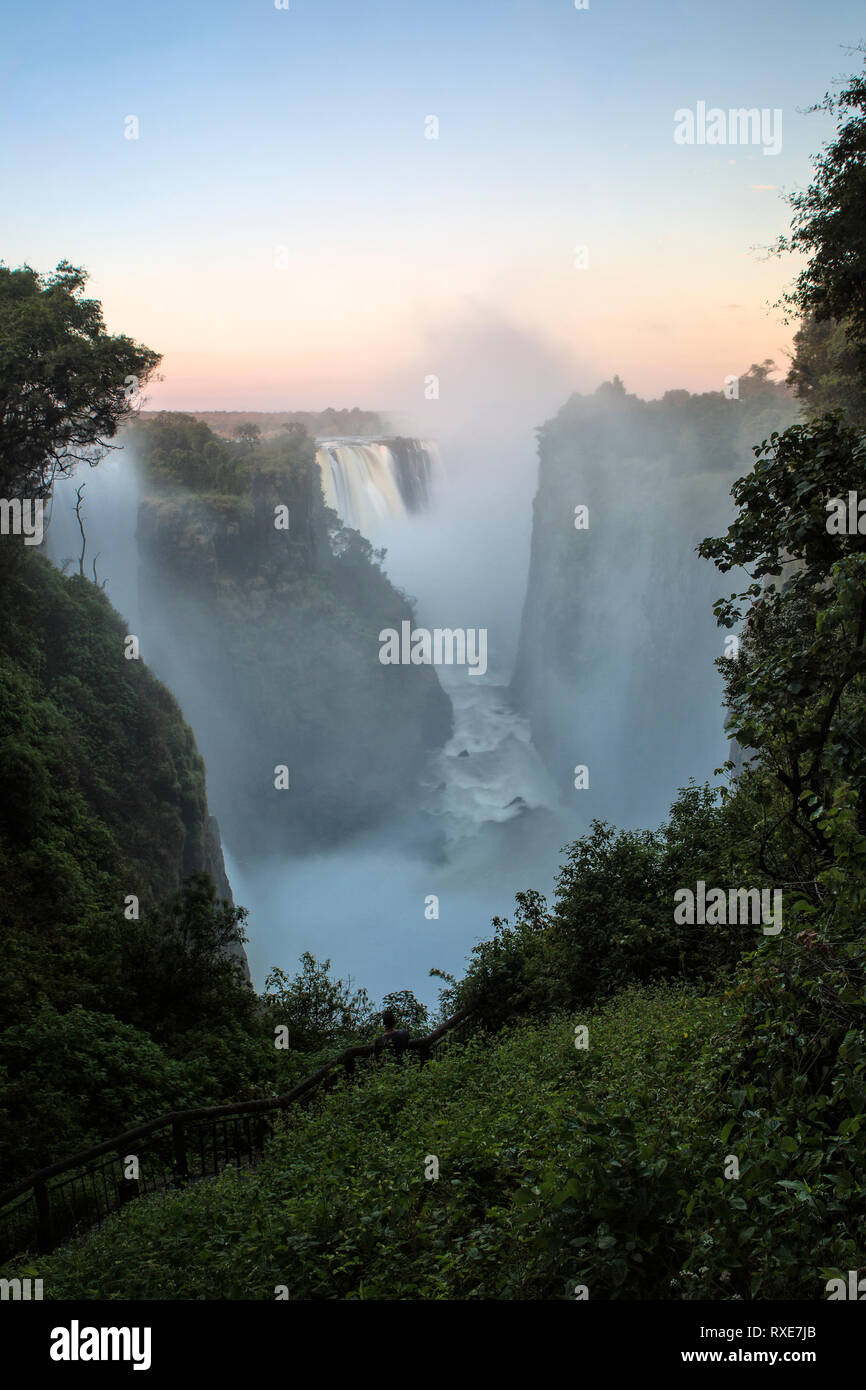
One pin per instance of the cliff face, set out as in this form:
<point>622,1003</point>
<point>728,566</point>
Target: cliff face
<point>269,637</point>
<point>618,639</point>
<point>214,866</point>
<point>102,787</point>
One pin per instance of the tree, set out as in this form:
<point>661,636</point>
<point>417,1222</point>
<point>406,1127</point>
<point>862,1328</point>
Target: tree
<point>757,378</point>
<point>827,371</point>
<point>177,967</point>
<point>176,449</point>
<point>66,385</point>
<point>502,979</point>
<point>248,433</point>
<point>829,225</point>
<point>73,1078</point>
<point>797,692</point>
<point>409,1011</point>
<point>319,1011</point>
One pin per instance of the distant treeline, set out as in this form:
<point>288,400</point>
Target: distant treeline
<point>352,421</point>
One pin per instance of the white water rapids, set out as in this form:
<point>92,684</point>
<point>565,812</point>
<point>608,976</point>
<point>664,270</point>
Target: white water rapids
<point>489,771</point>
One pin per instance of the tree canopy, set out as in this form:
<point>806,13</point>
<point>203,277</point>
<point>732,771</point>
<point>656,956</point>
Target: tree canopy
<point>829,226</point>
<point>66,384</point>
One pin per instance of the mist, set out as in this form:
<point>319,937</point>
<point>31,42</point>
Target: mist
<point>466,560</point>
<point>110,495</point>
<point>600,656</point>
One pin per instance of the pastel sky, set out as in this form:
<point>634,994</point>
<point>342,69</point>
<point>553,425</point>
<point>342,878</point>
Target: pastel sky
<point>283,232</point>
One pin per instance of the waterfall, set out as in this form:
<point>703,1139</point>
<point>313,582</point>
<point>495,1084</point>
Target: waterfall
<point>485,820</point>
<point>366,481</point>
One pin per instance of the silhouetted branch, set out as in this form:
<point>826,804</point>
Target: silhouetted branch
<point>81,528</point>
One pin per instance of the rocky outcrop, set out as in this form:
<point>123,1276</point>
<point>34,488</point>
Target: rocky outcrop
<point>615,668</point>
<point>269,639</point>
<point>214,865</point>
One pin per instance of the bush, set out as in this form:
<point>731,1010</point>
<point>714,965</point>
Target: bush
<point>525,1204</point>
<point>72,1079</point>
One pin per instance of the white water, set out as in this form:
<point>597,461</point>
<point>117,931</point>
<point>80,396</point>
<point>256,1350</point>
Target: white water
<point>367,905</point>
<point>489,771</point>
<point>364,481</point>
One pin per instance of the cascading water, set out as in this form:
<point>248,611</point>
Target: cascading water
<point>366,481</point>
<point>489,772</point>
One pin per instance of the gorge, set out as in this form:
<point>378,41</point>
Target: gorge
<point>421,778</point>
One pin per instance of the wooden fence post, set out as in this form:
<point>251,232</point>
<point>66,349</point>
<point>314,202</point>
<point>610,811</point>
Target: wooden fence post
<point>129,1187</point>
<point>43,1214</point>
<point>179,1141</point>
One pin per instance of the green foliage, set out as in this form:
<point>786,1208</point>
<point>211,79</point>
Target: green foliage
<point>104,797</point>
<point>559,1166</point>
<point>612,922</point>
<point>317,1010</point>
<point>501,980</point>
<point>797,1105</point>
<point>180,454</point>
<point>829,224</point>
<point>177,968</point>
<point>525,1203</point>
<point>105,791</point>
<point>24,787</point>
<point>249,434</point>
<point>615,895</point>
<point>71,1079</point>
<point>176,450</point>
<point>827,371</point>
<point>796,693</point>
<point>64,381</point>
<point>409,1011</point>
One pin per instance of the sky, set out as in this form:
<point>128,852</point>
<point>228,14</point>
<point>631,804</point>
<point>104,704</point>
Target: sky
<point>285,233</point>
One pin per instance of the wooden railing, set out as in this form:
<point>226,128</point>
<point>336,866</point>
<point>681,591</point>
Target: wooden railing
<point>75,1194</point>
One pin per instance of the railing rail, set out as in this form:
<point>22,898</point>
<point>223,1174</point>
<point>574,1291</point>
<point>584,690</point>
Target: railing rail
<point>76,1193</point>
